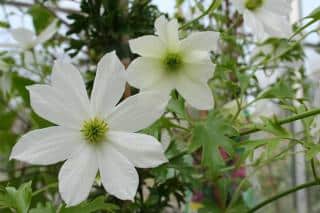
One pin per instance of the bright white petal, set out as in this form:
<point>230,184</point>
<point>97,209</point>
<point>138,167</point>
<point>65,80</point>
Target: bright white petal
<point>255,25</point>
<point>55,106</point>
<point>77,176</point>
<point>197,94</point>
<point>144,72</point>
<point>118,175</point>
<point>205,41</point>
<point>148,46</point>
<point>47,33</point>
<point>46,146</point>
<point>144,151</point>
<point>67,79</point>
<point>24,36</point>
<point>137,112</point>
<point>168,32</point>
<point>109,84</point>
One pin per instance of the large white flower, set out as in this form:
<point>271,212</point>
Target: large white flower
<point>168,63</point>
<point>27,39</point>
<point>266,18</point>
<point>93,135</point>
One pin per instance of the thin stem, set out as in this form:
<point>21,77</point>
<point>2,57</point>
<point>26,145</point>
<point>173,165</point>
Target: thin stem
<point>215,4</point>
<point>314,171</point>
<point>290,119</point>
<point>52,185</point>
<point>283,194</point>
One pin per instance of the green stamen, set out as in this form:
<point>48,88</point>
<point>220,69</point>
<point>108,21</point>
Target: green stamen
<point>172,62</point>
<point>253,4</point>
<point>94,130</point>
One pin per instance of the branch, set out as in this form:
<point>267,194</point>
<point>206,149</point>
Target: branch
<point>290,119</point>
<point>215,4</point>
<point>276,197</point>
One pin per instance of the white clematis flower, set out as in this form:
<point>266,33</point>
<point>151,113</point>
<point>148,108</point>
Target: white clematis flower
<point>27,39</point>
<point>168,63</point>
<point>93,135</point>
<point>266,18</point>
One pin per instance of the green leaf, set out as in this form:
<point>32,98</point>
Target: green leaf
<point>48,208</point>
<point>19,84</point>
<point>211,135</point>
<point>91,206</point>
<point>281,89</point>
<point>4,24</point>
<point>315,14</point>
<point>17,199</point>
<point>41,17</point>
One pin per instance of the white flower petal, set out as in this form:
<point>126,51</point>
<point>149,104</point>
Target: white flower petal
<point>197,94</point>
<point>55,106</point>
<point>109,84</point>
<point>168,32</point>
<point>24,36</point>
<point>144,151</point>
<point>148,46</point>
<point>46,146</point>
<point>137,112</point>
<point>118,175</point>
<point>47,33</point>
<point>274,25</point>
<point>255,25</point>
<point>200,72</point>
<point>77,175</point>
<point>282,7</point>
<point>67,79</point>
<point>205,41</point>
<point>144,72</point>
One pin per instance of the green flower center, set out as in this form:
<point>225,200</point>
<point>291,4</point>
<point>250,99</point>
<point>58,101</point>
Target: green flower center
<point>94,130</point>
<point>172,62</point>
<point>253,4</point>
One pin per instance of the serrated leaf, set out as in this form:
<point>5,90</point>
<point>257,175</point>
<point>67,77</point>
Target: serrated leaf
<point>211,135</point>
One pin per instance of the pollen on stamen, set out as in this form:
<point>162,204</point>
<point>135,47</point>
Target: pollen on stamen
<point>172,62</point>
<point>94,130</point>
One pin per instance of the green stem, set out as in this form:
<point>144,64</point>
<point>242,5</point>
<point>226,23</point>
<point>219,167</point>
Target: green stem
<point>52,185</point>
<point>290,119</point>
<point>215,4</point>
<point>314,171</point>
<point>280,195</point>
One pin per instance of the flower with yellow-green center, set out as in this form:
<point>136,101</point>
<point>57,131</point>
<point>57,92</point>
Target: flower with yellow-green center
<point>266,18</point>
<point>93,135</point>
<point>169,63</point>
